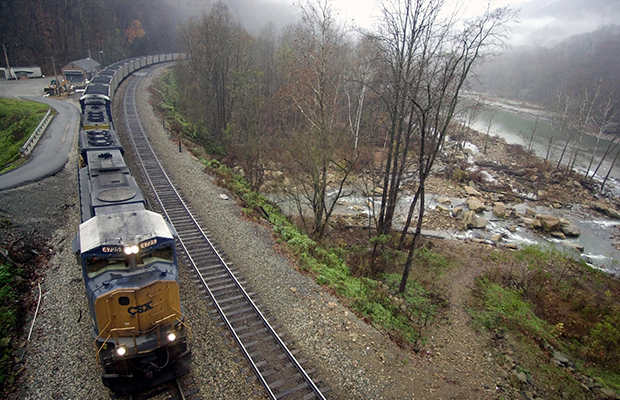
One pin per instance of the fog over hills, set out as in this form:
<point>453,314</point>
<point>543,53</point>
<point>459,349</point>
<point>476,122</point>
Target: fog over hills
<point>545,22</point>
<point>542,22</point>
<point>253,15</point>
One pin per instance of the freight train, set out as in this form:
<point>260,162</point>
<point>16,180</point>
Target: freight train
<point>127,253</point>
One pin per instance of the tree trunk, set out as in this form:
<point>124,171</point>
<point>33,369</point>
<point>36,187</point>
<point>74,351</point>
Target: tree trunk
<point>414,242</point>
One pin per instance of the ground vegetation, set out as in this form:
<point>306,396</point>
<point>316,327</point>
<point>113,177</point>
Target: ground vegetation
<point>18,119</point>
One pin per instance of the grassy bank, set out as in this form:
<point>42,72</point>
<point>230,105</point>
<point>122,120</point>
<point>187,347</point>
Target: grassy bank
<point>541,302</point>
<point>18,119</point>
<point>402,316</point>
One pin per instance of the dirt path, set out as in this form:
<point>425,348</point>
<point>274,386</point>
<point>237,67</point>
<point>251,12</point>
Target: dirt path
<point>461,365</point>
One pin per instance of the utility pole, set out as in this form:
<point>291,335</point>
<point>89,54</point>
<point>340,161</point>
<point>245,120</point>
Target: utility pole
<point>90,62</point>
<point>8,67</point>
<point>56,76</point>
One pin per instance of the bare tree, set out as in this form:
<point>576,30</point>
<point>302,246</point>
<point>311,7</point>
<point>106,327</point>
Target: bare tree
<point>529,144</point>
<point>316,151</point>
<point>558,121</point>
<point>248,127</point>
<point>607,113</point>
<point>575,117</point>
<point>489,125</point>
<point>358,78</point>
<point>428,58</point>
<point>588,103</point>
<point>403,44</point>
<point>466,118</point>
<point>217,45</point>
<point>613,163</point>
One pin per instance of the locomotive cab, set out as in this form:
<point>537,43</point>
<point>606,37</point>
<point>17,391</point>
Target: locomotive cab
<point>129,266</point>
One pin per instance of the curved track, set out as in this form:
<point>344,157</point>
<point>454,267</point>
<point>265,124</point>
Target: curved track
<point>274,364</point>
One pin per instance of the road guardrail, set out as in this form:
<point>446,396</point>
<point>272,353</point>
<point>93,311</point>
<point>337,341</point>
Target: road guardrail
<point>36,134</point>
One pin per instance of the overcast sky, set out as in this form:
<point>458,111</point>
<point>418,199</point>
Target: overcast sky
<point>541,21</point>
<point>363,12</point>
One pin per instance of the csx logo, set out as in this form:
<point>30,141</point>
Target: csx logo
<point>140,309</point>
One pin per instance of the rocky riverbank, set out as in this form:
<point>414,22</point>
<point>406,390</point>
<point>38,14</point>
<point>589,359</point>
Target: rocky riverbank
<point>507,198</point>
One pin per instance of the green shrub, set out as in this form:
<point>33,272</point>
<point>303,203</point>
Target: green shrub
<point>604,341</point>
<point>459,175</point>
<point>504,308</point>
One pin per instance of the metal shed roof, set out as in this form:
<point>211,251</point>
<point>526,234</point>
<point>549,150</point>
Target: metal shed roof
<point>84,64</point>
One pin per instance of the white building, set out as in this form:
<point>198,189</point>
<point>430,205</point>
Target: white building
<point>21,72</point>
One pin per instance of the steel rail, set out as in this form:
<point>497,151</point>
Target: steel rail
<point>181,392</point>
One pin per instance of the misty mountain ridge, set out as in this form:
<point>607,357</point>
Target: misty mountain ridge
<point>253,15</point>
<point>538,73</point>
<point>546,22</point>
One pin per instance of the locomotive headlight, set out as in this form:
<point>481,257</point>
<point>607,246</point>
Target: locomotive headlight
<point>171,336</point>
<point>131,250</point>
<point>121,351</point>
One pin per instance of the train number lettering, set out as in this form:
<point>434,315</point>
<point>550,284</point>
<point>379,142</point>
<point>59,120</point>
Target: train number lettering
<point>139,309</point>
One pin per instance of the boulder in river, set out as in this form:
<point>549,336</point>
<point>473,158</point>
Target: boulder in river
<point>476,205</point>
<point>499,209</point>
<point>569,229</point>
<point>496,238</point>
<point>575,246</point>
<point>558,234</point>
<point>605,208</point>
<point>549,222</point>
<point>471,191</point>
<point>444,200</point>
<point>443,209</point>
<point>473,221</point>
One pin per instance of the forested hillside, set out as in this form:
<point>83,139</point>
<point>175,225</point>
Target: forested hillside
<point>35,31</point>
<point>537,73</point>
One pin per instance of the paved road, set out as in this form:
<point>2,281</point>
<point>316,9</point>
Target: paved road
<point>52,152</point>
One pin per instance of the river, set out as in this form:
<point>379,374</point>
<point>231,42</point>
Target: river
<point>516,125</point>
<point>516,128</point>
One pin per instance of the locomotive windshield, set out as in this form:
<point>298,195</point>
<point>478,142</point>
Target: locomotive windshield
<point>161,254</point>
<point>119,262</point>
<point>97,265</point>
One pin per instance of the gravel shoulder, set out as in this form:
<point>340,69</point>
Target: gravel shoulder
<point>351,358</point>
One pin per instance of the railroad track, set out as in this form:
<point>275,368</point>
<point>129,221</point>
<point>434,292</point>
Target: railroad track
<point>183,388</point>
<point>274,364</point>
